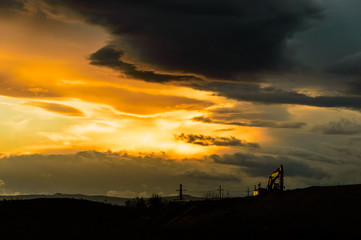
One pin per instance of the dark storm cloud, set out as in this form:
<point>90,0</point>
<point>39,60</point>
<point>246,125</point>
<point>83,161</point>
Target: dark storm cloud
<point>217,39</point>
<point>109,56</point>
<point>271,95</point>
<point>11,4</point>
<point>214,141</point>
<point>355,86</point>
<point>350,65</point>
<point>263,165</point>
<point>256,123</point>
<point>342,127</point>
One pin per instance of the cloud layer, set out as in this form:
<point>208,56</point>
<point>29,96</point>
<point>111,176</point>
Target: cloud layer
<point>271,95</point>
<point>259,165</point>
<point>211,38</point>
<point>92,172</point>
<point>215,141</point>
<point>109,56</point>
<point>342,127</point>
<point>11,4</point>
<point>57,108</point>
<point>254,123</point>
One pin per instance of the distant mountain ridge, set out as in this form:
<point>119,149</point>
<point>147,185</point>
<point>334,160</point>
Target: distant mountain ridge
<point>95,198</point>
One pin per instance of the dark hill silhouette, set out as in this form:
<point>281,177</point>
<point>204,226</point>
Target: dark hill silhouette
<point>96,198</point>
<point>310,213</point>
<point>315,212</point>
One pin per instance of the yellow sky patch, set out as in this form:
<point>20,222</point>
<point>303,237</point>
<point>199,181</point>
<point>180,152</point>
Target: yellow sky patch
<point>57,101</point>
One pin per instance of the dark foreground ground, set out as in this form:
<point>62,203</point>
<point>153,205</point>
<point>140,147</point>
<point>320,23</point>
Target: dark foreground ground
<point>311,213</point>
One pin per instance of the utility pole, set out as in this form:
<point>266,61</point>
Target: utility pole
<point>220,190</point>
<point>248,191</point>
<point>180,190</point>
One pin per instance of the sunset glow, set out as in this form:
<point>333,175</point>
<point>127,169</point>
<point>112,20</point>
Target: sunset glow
<point>206,104</point>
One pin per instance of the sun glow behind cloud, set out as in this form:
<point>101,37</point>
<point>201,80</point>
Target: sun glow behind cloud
<point>57,101</point>
<point>156,101</point>
<point>61,103</point>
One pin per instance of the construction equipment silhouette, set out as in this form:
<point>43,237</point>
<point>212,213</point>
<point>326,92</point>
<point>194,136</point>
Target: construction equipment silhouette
<point>272,185</point>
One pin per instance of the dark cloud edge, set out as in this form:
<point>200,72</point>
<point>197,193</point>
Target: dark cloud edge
<point>218,40</point>
<point>262,165</point>
<point>268,124</point>
<point>251,92</point>
<point>215,141</point>
<point>110,56</point>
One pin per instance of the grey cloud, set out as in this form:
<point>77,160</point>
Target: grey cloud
<point>255,123</point>
<point>334,37</point>
<point>92,172</point>
<point>11,4</point>
<point>275,113</point>
<point>225,129</point>
<point>196,174</point>
<point>57,108</point>
<point>290,125</point>
<point>85,172</point>
<point>344,151</point>
<point>263,165</point>
<point>217,39</point>
<point>342,127</point>
<point>347,150</point>
<point>355,139</point>
<point>350,65</point>
<point>355,86</point>
<point>312,156</point>
<point>270,95</point>
<point>215,141</point>
<point>109,56</point>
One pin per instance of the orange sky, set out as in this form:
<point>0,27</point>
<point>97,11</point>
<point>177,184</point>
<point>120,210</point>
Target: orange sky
<point>56,101</point>
<point>53,101</point>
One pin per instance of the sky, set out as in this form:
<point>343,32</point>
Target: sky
<point>129,98</point>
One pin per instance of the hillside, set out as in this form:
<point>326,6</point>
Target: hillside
<point>302,213</point>
<point>95,198</point>
<point>310,213</point>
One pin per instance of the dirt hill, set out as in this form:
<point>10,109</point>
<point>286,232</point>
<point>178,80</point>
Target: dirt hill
<point>311,213</point>
<point>304,213</point>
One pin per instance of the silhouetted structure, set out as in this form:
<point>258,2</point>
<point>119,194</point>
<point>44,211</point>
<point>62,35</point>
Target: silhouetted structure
<point>312,213</point>
<point>180,190</point>
<point>220,190</point>
<point>272,185</point>
<point>248,191</point>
